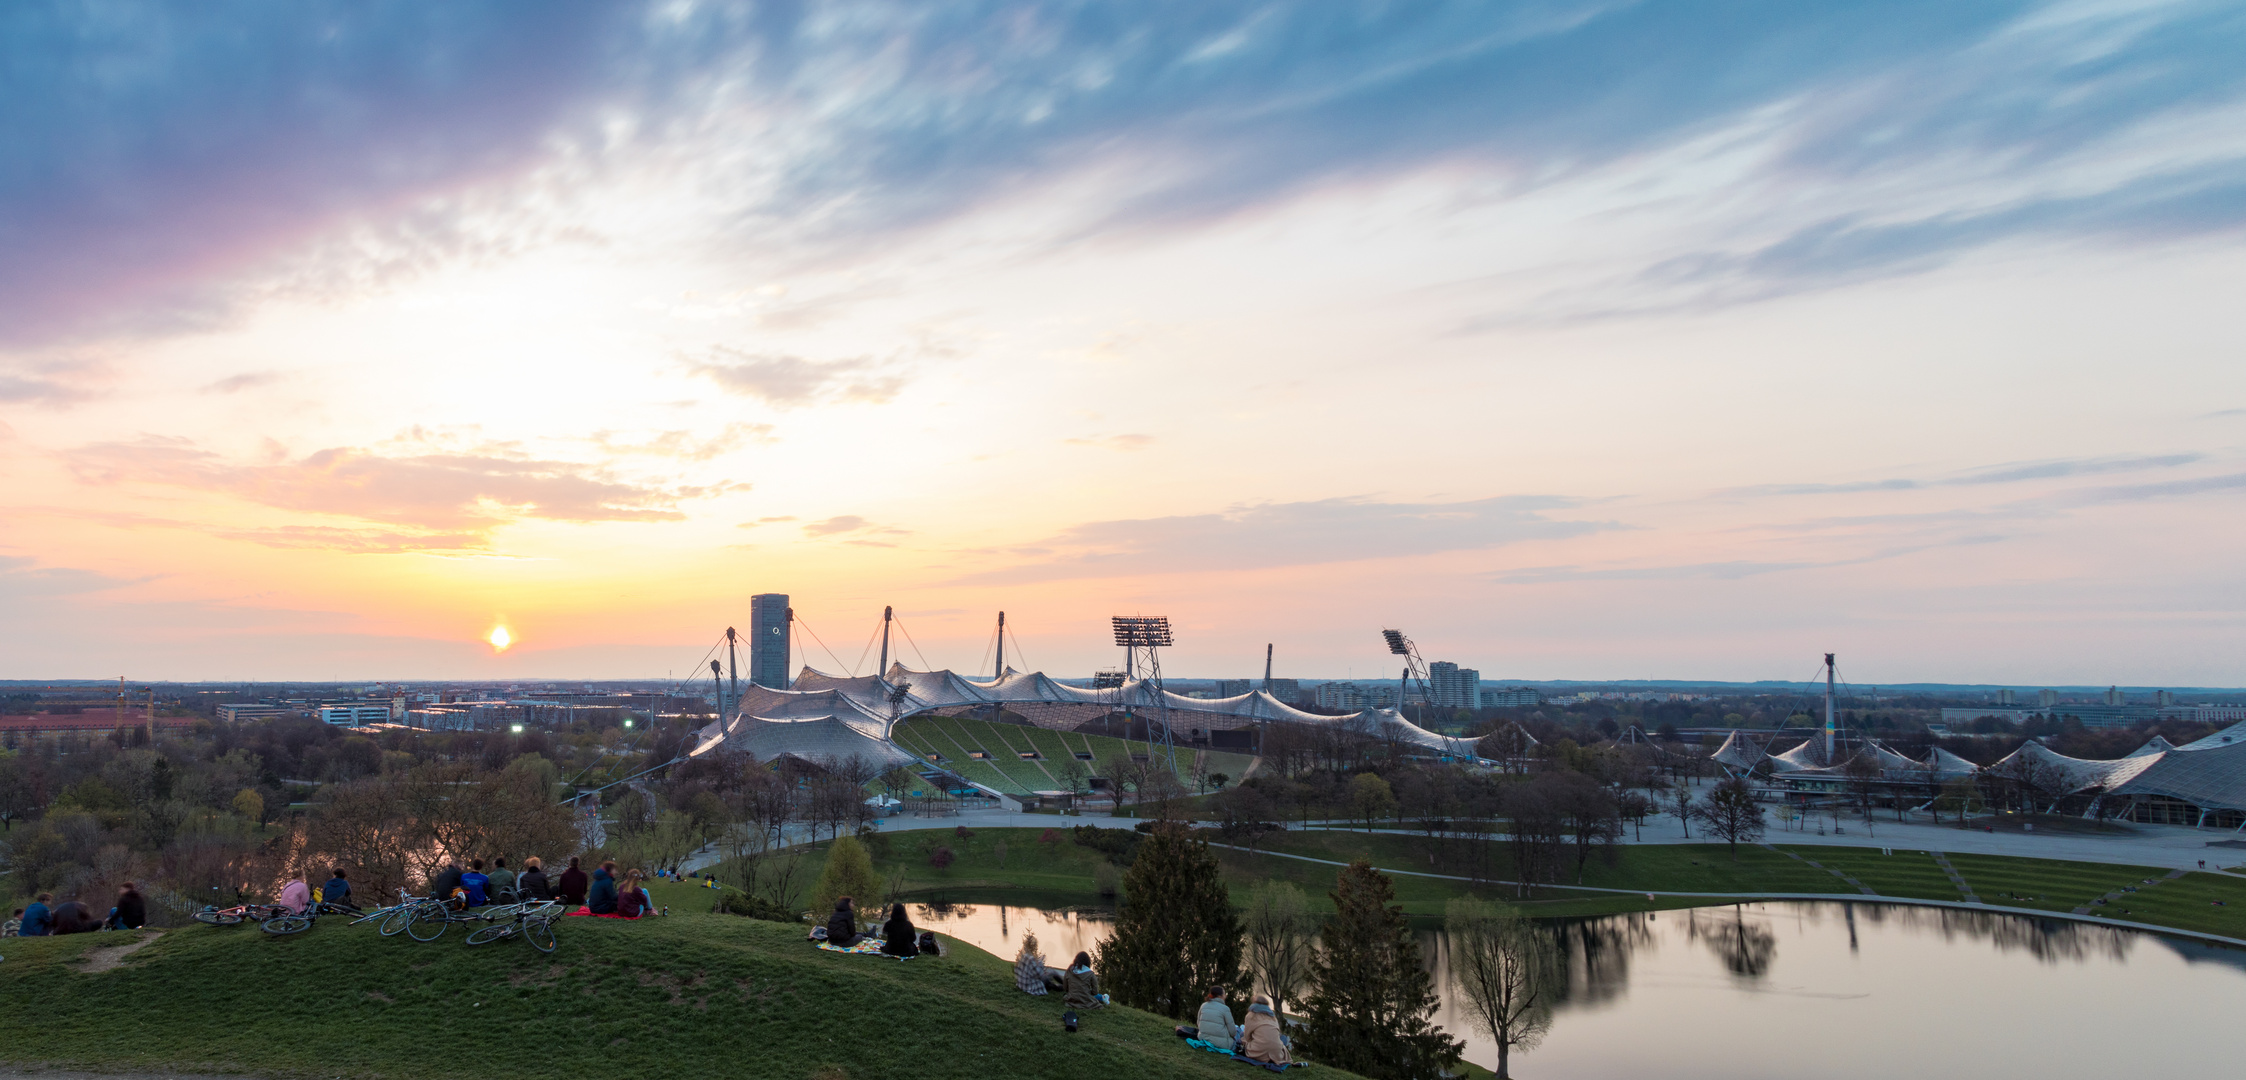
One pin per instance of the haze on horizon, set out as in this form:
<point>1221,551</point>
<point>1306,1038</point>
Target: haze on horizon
<point>1580,340</point>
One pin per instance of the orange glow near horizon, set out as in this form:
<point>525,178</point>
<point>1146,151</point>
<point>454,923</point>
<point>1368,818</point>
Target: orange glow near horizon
<point>500,638</point>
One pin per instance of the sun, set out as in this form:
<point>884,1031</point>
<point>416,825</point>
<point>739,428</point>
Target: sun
<point>500,639</point>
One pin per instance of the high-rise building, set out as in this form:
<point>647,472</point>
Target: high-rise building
<point>770,634</point>
<point>1234,687</point>
<point>2113,696</point>
<point>2164,698</point>
<point>2045,699</point>
<point>2004,697</point>
<point>1453,687</point>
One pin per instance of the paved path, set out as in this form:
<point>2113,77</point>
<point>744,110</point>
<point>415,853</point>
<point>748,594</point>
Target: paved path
<point>1958,879</point>
<point>2121,892</point>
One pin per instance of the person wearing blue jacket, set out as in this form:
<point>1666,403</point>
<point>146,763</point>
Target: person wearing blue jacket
<point>478,885</point>
<point>601,900</point>
<point>38,918</point>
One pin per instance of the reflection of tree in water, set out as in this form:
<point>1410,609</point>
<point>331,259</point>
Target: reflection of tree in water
<point>2048,940</point>
<point>1746,949</point>
<point>1598,955</point>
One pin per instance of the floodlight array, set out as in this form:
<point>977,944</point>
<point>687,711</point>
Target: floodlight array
<point>1142,631</point>
<point>1396,642</point>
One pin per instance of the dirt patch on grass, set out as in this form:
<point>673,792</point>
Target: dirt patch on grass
<point>109,957</point>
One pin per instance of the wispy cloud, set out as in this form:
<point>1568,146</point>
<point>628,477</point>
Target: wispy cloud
<point>2014,473</point>
<point>784,380</point>
<point>684,445</point>
<point>234,384</point>
<point>1729,570</point>
<point>1116,442</point>
<point>1287,534</point>
<point>438,491</point>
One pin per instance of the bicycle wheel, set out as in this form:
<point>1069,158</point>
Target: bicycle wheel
<point>428,925</point>
<point>495,932</point>
<point>286,924</point>
<point>217,918</point>
<point>540,934</point>
<point>395,923</point>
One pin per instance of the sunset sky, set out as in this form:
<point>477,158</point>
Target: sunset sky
<point>1598,340</point>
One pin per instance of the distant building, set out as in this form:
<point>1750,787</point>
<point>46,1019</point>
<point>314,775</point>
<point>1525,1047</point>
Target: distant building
<point>1509,697</point>
<point>236,712</point>
<point>770,628</point>
<point>2046,698</point>
<point>2164,698</point>
<point>2113,697</point>
<point>1286,689</point>
<point>1967,715</point>
<point>1234,687</point>
<point>2005,697</point>
<point>1451,686</point>
<point>354,715</point>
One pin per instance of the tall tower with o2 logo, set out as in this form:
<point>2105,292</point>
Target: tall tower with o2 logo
<point>771,633</point>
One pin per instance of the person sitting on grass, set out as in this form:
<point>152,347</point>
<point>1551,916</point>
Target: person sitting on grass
<point>131,912</point>
<point>296,895</point>
<point>1080,988</point>
<point>446,882</point>
<point>601,898</point>
<point>38,917</point>
<point>1216,1025</point>
<point>502,886</point>
<point>631,899</point>
<point>337,891</point>
<point>1259,1037</point>
<point>572,889</point>
<point>75,918</point>
<point>532,884</point>
<point>1029,968</point>
<point>897,935</point>
<point>477,885</point>
<point>842,926</point>
<point>13,926</point>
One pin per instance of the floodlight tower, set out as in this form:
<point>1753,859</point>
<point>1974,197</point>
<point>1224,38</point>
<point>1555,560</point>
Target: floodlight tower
<point>1829,725</point>
<point>1142,638</point>
<point>1414,668</point>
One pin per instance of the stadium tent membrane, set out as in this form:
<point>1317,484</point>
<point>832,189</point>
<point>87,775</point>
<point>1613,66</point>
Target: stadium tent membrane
<point>870,705</point>
<point>2212,779</point>
<point>2236,733</point>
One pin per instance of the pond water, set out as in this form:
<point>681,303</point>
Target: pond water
<point>1828,990</point>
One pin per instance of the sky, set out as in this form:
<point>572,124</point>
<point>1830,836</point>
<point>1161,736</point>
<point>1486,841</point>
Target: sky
<point>1577,340</point>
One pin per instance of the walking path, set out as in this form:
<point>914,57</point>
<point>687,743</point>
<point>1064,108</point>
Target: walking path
<point>1860,886</point>
<point>2119,893</point>
<point>1958,879</point>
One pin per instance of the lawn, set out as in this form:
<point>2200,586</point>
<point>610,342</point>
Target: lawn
<point>1908,872</point>
<point>955,737</point>
<point>2045,885</point>
<point>693,995</point>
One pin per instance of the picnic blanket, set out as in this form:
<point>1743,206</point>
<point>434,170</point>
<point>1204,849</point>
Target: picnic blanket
<point>866,946</point>
<point>1200,1045</point>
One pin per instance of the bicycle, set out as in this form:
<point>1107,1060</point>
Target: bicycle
<point>534,922</point>
<point>213,915</point>
<point>293,923</point>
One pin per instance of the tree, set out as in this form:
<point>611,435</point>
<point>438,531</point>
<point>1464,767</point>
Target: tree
<point>1509,972</point>
<point>1177,934</point>
<point>1279,927</point>
<point>849,872</point>
<point>250,804</point>
<point>1730,814</point>
<point>1370,798</point>
<point>1680,807</point>
<point>1370,1012</point>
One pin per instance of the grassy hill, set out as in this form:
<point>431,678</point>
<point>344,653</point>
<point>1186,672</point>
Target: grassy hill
<point>689,995</point>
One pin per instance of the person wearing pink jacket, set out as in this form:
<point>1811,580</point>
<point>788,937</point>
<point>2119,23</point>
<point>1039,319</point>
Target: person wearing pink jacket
<point>296,895</point>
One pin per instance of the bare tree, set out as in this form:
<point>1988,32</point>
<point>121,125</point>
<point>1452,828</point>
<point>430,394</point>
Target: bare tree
<point>1278,929</point>
<point>1509,971</point>
<point>1680,807</point>
<point>1729,813</point>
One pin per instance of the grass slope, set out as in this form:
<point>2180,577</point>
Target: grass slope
<point>704,995</point>
<point>954,737</point>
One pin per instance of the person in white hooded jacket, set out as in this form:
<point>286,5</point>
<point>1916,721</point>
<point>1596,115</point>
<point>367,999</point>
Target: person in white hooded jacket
<point>1216,1025</point>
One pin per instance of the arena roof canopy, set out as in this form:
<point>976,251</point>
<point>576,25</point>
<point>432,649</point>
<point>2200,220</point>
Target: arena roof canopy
<point>835,716</point>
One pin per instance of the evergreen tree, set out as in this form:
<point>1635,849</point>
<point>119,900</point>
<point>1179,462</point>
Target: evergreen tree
<point>1369,1013</point>
<point>1177,934</point>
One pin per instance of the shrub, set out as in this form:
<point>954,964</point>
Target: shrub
<point>1107,879</point>
<point>940,858</point>
<point>1049,836</point>
<point>732,902</point>
<point>962,831</point>
<point>1119,846</point>
<point>849,872</point>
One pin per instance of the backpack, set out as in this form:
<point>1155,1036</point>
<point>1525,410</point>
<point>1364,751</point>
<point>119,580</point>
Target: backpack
<point>927,943</point>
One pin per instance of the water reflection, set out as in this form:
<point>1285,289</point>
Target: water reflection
<point>1764,990</point>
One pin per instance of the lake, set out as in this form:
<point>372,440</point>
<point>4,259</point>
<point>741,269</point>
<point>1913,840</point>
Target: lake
<point>1818,989</point>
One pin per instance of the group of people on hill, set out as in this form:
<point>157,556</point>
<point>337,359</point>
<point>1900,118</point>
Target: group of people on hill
<point>1258,1038</point>
<point>898,936</point>
<point>44,918</point>
<point>601,892</point>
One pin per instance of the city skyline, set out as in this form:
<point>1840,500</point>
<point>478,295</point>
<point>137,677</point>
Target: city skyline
<point>1582,342</point>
